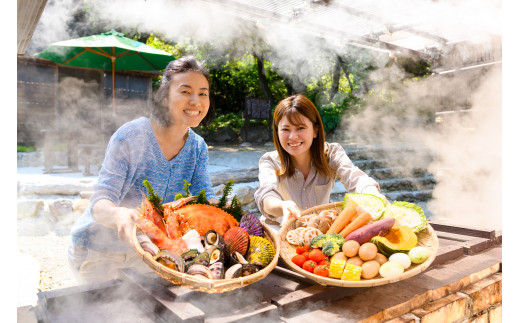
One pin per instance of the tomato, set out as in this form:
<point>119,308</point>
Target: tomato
<point>324,262</point>
<point>301,249</point>
<point>298,260</point>
<point>317,255</point>
<point>306,255</point>
<point>321,271</point>
<point>309,265</point>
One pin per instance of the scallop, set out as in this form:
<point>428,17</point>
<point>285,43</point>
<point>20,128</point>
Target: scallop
<point>236,239</point>
<point>252,225</point>
<point>261,251</point>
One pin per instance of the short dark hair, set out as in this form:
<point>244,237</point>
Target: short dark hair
<point>159,112</point>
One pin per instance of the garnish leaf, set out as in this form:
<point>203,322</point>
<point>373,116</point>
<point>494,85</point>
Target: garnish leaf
<point>154,198</point>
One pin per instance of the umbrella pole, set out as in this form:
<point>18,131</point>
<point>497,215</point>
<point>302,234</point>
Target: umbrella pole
<point>113,86</point>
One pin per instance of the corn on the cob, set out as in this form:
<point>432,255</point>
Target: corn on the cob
<point>351,272</point>
<point>336,268</point>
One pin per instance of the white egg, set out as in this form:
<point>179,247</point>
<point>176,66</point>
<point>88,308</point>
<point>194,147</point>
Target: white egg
<point>401,258</point>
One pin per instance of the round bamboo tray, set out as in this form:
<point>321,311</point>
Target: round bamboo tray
<point>425,238</point>
<point>209,285</point>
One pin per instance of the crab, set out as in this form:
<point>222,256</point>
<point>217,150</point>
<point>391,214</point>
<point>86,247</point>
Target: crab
<point>180,218</point>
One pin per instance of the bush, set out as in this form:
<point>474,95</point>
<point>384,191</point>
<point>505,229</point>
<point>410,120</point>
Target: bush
<point>25,149</point>
<point>331,115</point>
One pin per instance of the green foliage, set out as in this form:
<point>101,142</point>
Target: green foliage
<point>415,66</point>
<point>233,120</point>
<point>154,198</point>
<point>227,189</point>
<point>201,198</point>
<point>235,209</point>
<point>25,149</point>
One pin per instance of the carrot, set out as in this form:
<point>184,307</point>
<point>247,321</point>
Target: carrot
<point>343,217</point>
<point>357,223</point>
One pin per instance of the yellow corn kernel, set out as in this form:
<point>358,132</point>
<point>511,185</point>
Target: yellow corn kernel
<point>351,272</point>
<point>336,268</point>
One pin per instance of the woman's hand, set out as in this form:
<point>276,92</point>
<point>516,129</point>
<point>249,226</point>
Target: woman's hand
<point>122,218</point>
<point>290,210</point>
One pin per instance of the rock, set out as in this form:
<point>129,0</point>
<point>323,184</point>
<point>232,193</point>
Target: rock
<point>251,208</point>
<point>243,175</point>
<point>219,189</point>
<point>257,133</point>
<point>29,208</point>
<point>86,194</point>
<point>223,135</point>
<point>80,205</point>
<point>61,207</point>
<point>61,186</point>
<point>246,194</point>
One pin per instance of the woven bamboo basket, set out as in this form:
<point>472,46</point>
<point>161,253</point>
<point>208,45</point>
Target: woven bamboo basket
<point>425,238</point>
<point>209,285</point>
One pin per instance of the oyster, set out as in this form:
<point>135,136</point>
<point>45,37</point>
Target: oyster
<point>147,244</point>
<point>217,269</point>
<point>234,271</point>
<point>252,225</point>
<point>261,251</point>
<point>236,239</point>
<point>215,254</point>
<point>170,260</point>
<point>200,271</point>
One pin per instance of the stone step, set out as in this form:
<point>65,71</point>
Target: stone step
<point>407,184</point>
<point>409,196</point>
<point>392,172</point>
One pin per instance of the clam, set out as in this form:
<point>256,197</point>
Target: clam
<point>147,244</point>
<point>200,271</point>
<point>252,225</point>
<point>261,251</point>
<point>234,271</point>
<point>170,260</point>
<point>236,240</point>
<point>217,269</point>
<point>216,254</point>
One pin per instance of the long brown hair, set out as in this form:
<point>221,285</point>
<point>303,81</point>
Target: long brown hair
<point>293,108</point>
<point>159,112</point>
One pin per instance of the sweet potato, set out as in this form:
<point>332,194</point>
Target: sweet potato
<point>367,232</point>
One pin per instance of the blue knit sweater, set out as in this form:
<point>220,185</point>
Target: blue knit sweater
<point>132,156</point>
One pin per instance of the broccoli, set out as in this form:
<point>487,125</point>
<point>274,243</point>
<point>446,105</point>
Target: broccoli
<point>330,247</point>
<point>319,240</point>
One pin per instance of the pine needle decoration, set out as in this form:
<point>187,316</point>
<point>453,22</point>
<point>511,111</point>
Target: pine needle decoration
<point>154,198</point>
<point>235,209</point>
<point>201,198</point>
<point>227,190</point>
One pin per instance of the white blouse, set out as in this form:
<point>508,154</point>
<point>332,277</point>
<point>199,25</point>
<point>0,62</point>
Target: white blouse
<point>315,190</point>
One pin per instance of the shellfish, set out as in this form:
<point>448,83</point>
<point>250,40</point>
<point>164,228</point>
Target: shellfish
<point>234,271</point>
<point>201,259</point>
<point>200,271</point>
<point>261,251</point>
<point>217,269</point>
<point>212,237</point>
<point>147,244</point>
<point>252,225</point>
<point>170,260</point>
<point>216,254</point>
<point>236,240</point>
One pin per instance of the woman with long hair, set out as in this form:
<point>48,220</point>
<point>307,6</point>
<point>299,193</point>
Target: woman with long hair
<point>302,171</point>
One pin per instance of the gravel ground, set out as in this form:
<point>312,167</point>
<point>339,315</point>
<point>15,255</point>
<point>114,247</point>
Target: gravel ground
<point>51,252</point>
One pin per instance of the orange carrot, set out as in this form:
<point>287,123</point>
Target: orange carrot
<point>343,218</point>
<point>357,223</point>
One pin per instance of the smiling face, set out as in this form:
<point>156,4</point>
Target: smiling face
<point>188,99</point>
<point>296,137</point>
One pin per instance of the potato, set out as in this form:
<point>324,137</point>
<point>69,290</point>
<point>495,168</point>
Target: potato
<point>370,269</point>
<point>367,251</point>
<point>355,261</point>
<point>339,255</point>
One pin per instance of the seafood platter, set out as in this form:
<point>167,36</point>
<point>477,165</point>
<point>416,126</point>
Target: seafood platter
<point>205,247</point>
<point>363,241</point>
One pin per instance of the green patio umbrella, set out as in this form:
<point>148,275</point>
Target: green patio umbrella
<point>108,51</point>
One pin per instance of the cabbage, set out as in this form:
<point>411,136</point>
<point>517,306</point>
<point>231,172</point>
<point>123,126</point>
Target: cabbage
<point>370,203</point>
<point>407,214</point>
